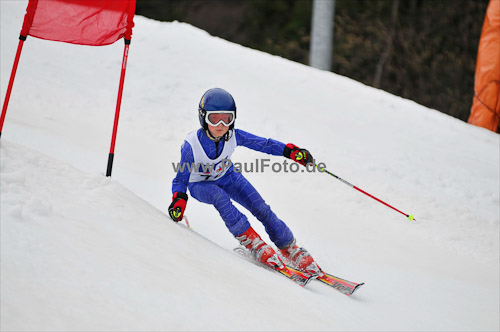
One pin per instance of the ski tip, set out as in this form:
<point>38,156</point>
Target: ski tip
<point>356,288</point>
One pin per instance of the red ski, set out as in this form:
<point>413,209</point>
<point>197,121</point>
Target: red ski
<point>295,275</point>
<point>344,286</point>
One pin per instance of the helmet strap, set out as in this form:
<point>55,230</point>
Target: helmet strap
<point>229,134</point>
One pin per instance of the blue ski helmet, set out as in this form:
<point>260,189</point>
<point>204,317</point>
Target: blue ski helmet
<point>215,99</point>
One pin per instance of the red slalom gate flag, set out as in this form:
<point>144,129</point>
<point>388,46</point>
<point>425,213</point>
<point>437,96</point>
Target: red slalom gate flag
<point>83,22</point>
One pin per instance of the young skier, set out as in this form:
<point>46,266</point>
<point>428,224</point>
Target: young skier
<point>214,144</point>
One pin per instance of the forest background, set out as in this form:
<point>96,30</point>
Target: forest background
<point>423,50</point>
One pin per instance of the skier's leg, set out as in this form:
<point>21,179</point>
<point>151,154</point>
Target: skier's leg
<point>208,192</point>
<point>241,191</point>
<point>236,222</point>
<point>244,193</point>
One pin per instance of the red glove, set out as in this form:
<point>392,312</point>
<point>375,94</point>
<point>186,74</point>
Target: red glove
<point>302,156</point>
<point>178,205</point>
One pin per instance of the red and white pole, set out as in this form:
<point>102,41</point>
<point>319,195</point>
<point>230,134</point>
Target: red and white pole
<point>118,106</point>
<point>409,216</point>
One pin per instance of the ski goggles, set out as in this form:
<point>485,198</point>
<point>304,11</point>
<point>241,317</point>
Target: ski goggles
<point>214,118</point>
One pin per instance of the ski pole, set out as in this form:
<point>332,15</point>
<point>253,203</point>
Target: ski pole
<point>409,216</point>
<point>187,221</point>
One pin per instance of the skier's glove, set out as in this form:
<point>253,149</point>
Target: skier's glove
<point>178,205</point>
<point>302,156</point>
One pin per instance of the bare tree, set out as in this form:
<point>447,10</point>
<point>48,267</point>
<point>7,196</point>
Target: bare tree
<point>388,48</point>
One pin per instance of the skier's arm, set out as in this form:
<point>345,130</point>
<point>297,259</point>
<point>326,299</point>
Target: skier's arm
<point>257,143</point>
<point>180,183</point>
<point>274,147</point>
<point>181,180</point>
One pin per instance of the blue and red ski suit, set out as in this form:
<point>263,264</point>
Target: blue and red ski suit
<point>234,186</point>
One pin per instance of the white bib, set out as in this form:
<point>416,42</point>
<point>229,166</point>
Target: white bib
<point>206,169</point>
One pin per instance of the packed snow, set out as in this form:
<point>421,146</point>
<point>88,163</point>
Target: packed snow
<point>80,251</point>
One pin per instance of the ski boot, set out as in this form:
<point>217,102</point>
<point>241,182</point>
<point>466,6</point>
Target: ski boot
<point>300,259</point>
<point>261,251</point>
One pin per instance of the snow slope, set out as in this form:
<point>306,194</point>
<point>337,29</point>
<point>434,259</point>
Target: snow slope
<point>80,251</point>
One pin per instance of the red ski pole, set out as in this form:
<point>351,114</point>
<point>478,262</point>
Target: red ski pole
<point>187,221</point>
<point>409,216</point>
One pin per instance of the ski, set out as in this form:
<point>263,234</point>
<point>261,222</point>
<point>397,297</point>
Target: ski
<point>294,275</point>
<point>344,286</point>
